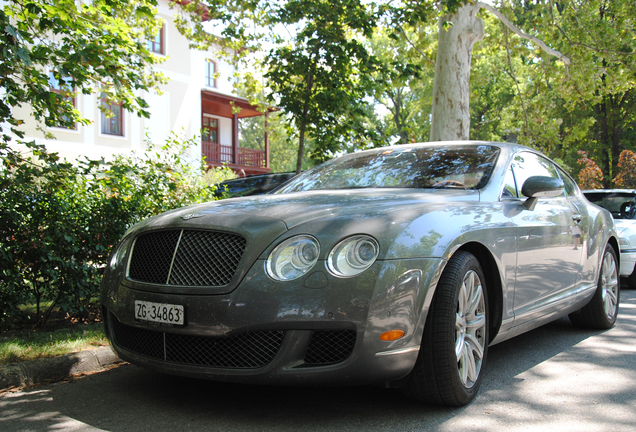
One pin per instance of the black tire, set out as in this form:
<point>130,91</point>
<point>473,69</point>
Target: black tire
<point>601,312</point>
<point>631,281</point>
<point>441,376</point>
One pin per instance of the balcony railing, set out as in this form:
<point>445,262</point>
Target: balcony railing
<point>220,153</point>
<point>251,157</point>
<point>214,152</point>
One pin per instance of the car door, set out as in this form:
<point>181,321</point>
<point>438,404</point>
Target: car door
<point>548,246</point>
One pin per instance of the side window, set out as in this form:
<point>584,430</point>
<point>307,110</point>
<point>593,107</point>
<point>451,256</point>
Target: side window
<point>570,186</point>
<point>510,187</point>
<point>528,164</point>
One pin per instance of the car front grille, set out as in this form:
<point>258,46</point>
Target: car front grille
<point>186,257</point>
<point>244,351</point>
<point>329,347</point>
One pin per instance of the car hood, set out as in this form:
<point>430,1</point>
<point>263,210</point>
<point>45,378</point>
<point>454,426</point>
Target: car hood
<point>330,215</point>
<point>621,224</point>
<point>301,207</point>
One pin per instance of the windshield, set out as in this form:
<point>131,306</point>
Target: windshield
<point>622,205</point>
<point>439,166</point>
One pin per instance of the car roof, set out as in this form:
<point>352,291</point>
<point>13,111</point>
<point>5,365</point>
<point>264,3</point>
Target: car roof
<point>459,143</point>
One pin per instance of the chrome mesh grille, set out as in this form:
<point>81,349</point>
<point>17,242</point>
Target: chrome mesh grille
<point>330,346</point>
<point>186,257</point>
<point>244,351</point>
<point>152,256</point>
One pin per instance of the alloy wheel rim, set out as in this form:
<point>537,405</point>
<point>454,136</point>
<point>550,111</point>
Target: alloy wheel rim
<point>609,283</point>
<point>470,329</point>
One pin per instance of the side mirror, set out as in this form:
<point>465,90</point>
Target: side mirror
<point>536,187</point>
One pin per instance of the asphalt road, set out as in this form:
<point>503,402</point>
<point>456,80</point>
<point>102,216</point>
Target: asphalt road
<point>557,377</point>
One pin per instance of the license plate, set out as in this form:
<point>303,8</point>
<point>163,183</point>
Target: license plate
<point>159,312</point>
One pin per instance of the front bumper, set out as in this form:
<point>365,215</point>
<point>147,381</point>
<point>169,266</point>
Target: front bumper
<point>270,332</point>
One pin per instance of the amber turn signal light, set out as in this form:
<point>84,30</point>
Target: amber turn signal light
<point>391,335</point>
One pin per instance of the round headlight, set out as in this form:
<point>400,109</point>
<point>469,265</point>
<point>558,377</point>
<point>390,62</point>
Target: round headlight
<point>293,258</point>
<point>353,255</point>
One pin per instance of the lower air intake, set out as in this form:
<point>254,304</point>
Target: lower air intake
<point>330,347</point>
<point>244,351</point>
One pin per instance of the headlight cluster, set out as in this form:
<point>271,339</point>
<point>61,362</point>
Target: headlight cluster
<point>353,255</point>
<point>293,258</point>
<point>296,256</point>
<point>627,239</point>
<point>120,252</point>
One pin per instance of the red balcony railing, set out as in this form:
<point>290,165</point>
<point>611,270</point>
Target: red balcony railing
<point>214,152</point>
<point>220,153</point>
<point>251,157</point>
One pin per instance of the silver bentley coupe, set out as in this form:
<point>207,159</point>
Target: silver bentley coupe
<point>396,266</point>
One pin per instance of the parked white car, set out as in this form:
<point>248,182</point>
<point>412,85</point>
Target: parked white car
<point>622,204</point>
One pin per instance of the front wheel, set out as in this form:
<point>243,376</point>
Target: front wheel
<point>601,312</point>
<point>448,370</point>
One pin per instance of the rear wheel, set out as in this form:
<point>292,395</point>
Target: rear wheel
<point>448,370</point>
<point>602,310</point>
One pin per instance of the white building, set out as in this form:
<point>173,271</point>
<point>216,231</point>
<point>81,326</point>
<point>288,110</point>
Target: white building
<point>198,97</point>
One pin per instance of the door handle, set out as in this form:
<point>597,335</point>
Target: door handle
<point>577,218</point>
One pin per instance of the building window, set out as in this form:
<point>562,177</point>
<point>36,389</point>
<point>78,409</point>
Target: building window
<point>64,88</point>
<point>112,118</point>
<point>157,44</point>
<point>210,70</point>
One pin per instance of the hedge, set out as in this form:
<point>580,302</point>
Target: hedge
<point>60,220</point>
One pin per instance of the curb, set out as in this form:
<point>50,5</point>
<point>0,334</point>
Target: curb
<point>29,373</point>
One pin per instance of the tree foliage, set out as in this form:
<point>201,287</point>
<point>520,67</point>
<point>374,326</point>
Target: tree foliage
<point>403,84</point>
<point>588,105</point>
<point>590,175</point>
<point>626,177</point>
<point>322,75</point>
<point>96,46</point>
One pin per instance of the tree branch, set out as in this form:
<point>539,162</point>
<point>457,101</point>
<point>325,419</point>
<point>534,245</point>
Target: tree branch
<point>414,47</point>
<point>514,78</point>
<point>517,31</point>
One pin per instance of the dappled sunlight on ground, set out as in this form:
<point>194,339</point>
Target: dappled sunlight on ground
<point>589,386</point>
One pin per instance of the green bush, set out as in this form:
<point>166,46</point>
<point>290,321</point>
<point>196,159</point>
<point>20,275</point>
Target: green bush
<point>59,220</point>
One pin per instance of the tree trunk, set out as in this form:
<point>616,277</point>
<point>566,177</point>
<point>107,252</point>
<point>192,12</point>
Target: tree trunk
<point>451,91</point>
<point>301,145</point>
<point>309,79</point>
<point>610,124</point>
<point>399,118</point>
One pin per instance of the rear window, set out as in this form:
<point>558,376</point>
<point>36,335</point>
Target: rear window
<point>622,205</point>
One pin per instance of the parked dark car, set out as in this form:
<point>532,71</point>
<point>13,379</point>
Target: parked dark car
<point>396,266</point>
<point>622,204</point>
<point>252,185</point>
